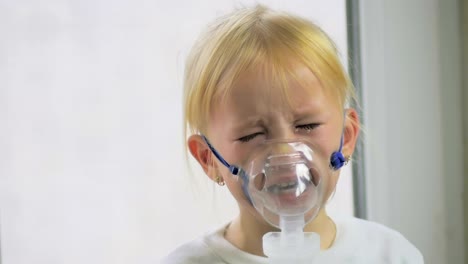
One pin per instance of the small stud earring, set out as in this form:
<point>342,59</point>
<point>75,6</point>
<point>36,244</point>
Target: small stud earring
<point>220,181</point>
<point>347,159</point>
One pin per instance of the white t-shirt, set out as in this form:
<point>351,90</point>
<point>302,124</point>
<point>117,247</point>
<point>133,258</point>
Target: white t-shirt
<point>357,241</point>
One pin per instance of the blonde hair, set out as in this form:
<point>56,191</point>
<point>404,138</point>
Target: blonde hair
<point>253,37</point>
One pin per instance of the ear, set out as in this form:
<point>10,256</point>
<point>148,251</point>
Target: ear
<point>351,131</point>
<point>202,153</point>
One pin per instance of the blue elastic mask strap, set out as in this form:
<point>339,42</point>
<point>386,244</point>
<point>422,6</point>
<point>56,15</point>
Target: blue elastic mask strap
<point>233,169</point>
<point>342,133</point>
<point>337,159</point>
<point>341,142</point>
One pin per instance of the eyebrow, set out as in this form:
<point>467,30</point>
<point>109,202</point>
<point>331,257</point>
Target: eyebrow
<point>312,113</point>
<point>312,107</point>
<point>248,122</point>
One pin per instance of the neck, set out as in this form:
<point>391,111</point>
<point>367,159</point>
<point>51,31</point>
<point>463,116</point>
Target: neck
<point>246,232</point>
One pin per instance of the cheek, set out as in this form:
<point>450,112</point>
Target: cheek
<point>235,154</point>
<point>238,152</point>
<point>235,188</point>
<point>327,138</point>
<point>333,180</point>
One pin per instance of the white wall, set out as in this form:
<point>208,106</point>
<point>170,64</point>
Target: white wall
<point>91,155</point>
<point>412,82</point>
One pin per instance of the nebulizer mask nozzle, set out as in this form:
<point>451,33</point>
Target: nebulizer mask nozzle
<point>286,182</point>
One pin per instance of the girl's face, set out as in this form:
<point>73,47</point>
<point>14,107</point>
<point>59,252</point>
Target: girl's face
<point>254,112</point>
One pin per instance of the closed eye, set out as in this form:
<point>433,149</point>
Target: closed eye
<point>249,137</point>
<point>307,127</point>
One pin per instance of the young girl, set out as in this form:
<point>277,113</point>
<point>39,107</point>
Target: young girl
<point>258,76</point>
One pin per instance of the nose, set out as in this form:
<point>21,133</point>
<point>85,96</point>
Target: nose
<point>283,130</point>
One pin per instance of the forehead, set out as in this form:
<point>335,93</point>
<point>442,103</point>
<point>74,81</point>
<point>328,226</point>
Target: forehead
<point>257,88</point>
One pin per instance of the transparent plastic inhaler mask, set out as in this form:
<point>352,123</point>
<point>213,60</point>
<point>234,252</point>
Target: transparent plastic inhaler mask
<point>286,181</point>
<point>283,178</point>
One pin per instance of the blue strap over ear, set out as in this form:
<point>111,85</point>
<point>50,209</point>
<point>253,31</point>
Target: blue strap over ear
<point>337,160</point>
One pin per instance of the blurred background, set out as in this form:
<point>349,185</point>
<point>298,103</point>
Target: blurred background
<point>92,161</point>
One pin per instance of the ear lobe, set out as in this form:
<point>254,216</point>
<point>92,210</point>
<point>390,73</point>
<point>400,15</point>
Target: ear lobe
<point>202,154</point>
<point>351,131</point>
